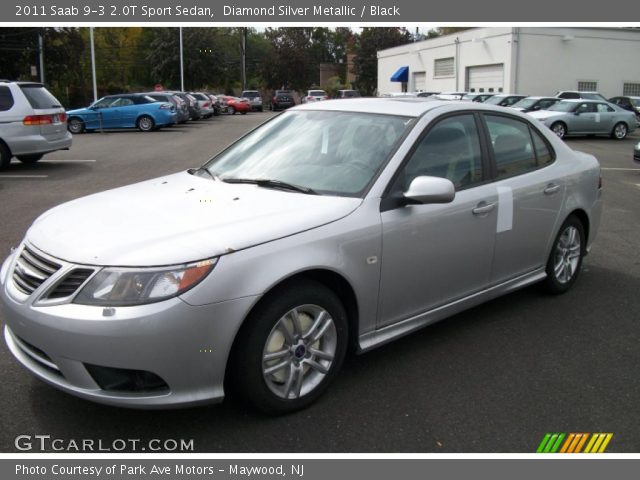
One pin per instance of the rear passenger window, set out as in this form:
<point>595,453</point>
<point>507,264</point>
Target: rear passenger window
<point>512,146</point>
<point>6,99</point>
<point>544,155</point>
<point>450,150</point>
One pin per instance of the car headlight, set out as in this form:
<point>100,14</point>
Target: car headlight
<point>137,286</point>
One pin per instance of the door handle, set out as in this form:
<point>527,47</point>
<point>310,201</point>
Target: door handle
<point>483,207</point>
<point>551,189</point>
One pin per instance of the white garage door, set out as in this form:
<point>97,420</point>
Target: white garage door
<point>485,78</point>
<point>419,81</point>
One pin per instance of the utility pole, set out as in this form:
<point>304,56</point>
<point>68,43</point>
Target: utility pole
<point>93,65</point>
<point>181,64</point>
<point>41,54</point>
<point>243,49</point>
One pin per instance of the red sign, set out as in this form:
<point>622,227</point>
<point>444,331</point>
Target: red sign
<point>158,87</point>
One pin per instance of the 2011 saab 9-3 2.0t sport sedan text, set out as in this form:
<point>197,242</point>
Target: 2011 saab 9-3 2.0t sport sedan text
<point>333,224</point>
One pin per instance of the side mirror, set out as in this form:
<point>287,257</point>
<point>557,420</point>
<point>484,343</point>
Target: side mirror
<point>431,190</point>
<point>537,107</point>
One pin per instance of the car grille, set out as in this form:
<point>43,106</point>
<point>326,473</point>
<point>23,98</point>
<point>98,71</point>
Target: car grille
<point>70,283</point>
<point>32,270</point>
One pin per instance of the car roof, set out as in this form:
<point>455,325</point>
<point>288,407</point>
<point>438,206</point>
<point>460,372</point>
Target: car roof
<point>583,100</point>
<point>401,106</point>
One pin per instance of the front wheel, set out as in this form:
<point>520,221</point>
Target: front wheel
<point>565,259</point>
<point>560,129</point>
<point>619,132</point>
<point>145,123</point>
<point>30,159</point>
<point>290,348</point>
<point>75,125</point>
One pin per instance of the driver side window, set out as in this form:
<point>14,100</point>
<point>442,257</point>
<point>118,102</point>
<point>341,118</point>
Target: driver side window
<point>451,149</point>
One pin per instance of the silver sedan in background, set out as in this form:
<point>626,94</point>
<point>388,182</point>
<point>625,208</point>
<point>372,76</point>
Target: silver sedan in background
<point>587,117</point>
<point>333,225</point>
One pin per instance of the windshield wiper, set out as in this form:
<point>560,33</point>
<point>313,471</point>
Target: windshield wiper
<point>193,171</point>
<point>270,183</point>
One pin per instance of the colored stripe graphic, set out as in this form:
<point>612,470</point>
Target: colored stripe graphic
<point>574,443</point>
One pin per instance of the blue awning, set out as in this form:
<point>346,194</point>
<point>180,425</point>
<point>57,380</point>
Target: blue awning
<point>402,75</point>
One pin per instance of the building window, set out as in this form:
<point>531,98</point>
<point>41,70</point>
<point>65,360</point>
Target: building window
<point>587,86</point>
<point>443,67</point>
<point>631,89</point>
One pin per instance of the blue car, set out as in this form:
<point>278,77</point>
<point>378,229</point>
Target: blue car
<point>122,111</point>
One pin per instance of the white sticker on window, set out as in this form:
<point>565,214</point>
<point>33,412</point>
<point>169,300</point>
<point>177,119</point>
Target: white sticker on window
<point>505,209</point>
<point>325,141</point>
<point>597,118</point>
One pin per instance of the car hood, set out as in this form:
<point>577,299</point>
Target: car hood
<point>178,219</point>
<point>79,111</point>
<point>546,114</point>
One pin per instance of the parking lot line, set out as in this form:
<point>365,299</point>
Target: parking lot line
<point>53,160</point>
<point>24,176</point>
<point>623,169</point>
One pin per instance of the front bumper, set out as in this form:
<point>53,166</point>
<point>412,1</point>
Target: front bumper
<point>186,346</point>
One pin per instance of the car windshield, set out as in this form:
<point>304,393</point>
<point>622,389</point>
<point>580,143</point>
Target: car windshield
<point>495,100</point>
<point>564,107</point>
<point>250,94</point>
<point>592,96</point>
<point>334,153</point>
<point>317,93</point>
<point>525,102</point>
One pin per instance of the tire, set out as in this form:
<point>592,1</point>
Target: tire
<point>243,113</point>
<point>30,159</point>
<point>75,125</point>
<point>5,156</point>
<point>231,110</point>
<point>301,369</point>
<point>145,123</point>
<point>260,109</point>
<point>560,129</point>
<point>619,131</point>
<point>565,258</point>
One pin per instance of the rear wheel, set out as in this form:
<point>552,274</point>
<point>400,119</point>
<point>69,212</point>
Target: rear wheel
<point>75,125</point>
<point>560,129</point>
<point>619,131</point>
<point>244,112</point>
<point>29,159</point>
<point>290,348</point>
<point>145,123</point>
<point>565,259</point>
<point>5,156</point>
<point>231,110</point>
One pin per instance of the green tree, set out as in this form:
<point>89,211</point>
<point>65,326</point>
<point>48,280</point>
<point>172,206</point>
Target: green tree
<point>370,41</point>
<point>18,52</point>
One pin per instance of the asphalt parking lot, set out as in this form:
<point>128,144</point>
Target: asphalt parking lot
<point>493,379</point>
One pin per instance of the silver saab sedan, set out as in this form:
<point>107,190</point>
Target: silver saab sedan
<point>587,117</point>
<point>333,225</point>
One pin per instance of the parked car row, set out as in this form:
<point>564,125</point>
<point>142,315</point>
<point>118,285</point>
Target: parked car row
<point>569,112</point>
<point>145,111</point>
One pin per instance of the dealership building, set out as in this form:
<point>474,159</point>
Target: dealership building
<point>525,60</point>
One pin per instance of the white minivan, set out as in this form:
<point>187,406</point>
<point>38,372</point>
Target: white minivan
<point>32,122</point>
